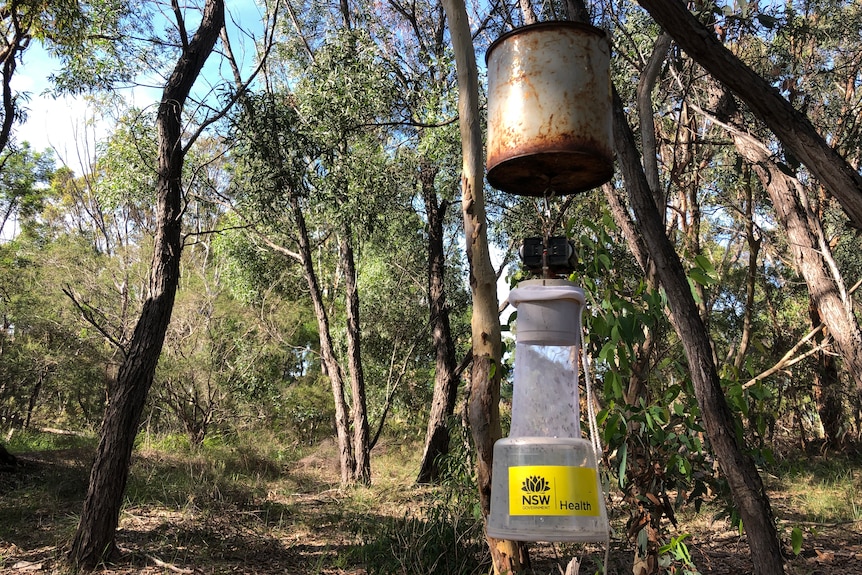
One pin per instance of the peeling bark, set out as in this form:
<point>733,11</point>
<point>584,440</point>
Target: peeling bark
<point>810,254</point>
<point>484,405</point>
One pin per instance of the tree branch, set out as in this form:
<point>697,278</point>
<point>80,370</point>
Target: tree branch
<point>89,313</point>
<point>791,126</point>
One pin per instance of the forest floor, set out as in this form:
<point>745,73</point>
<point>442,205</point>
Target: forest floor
<point>235,512</point>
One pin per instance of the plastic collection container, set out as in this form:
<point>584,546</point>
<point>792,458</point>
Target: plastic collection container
<point>545,483</point>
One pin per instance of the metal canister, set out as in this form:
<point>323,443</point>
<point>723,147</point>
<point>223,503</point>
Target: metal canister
<point>549,110</point>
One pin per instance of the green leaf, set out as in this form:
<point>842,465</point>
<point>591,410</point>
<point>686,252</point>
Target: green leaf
<point>767,21</point>
<point>684,466</point>
<point>605,261</point>
<point>694,291</point>
<point>671,394</point>
<point>796,540</point>
<point>701,277</point>
<point>607,351</point>
<point>622,455</point>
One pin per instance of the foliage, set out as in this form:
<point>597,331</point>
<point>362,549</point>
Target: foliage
<point>308,411</point>
<point>24,178</point>
<point>27,441</point>
<point>441,540</point>
<point>97,42</point>
<point>51,370</point>
<point>677,550</point>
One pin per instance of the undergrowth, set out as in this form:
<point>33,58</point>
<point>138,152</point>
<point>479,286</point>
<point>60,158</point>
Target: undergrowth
<point>822,488</point>
<point>269,507</point>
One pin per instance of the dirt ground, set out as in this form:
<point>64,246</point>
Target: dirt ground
<point>303,532</point>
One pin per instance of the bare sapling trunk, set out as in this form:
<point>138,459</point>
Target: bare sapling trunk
<point>346,456</point>
<point>361,445</point>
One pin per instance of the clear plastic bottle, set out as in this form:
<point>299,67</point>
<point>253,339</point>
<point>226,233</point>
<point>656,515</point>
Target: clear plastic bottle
<point>545,484</point>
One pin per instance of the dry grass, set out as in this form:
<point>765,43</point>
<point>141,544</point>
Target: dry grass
<point>226,509</point>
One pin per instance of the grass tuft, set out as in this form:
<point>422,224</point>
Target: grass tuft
<point>821,489</point>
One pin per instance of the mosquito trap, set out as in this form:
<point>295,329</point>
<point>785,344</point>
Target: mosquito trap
<point>549,134</point>
<point>545,481</point>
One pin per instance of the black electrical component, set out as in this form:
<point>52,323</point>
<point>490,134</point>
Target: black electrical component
<point>553,257</point>
<point>531,254</point>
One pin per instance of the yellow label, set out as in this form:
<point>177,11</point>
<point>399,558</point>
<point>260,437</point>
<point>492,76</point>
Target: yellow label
<point>553,490</point>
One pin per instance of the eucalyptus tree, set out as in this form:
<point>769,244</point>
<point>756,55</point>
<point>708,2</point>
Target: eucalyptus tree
<point>813,62</point>
<point>790,125</point>
<point>93,40</point>
<point>354,171</point>
<point>412,35</point>
<point>269,196</point>
<point>802,54</point>
<point>24,178</point>
<point>484,403</point>
<point>316,180</point>
<point>795,54</point>
<point>793,215</point>
<point>42,360</point>
<point>94,540</point>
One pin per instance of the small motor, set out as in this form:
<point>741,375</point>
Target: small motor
<point>548,258</point>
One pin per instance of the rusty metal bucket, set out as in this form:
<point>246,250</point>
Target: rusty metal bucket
<point>549,110</point>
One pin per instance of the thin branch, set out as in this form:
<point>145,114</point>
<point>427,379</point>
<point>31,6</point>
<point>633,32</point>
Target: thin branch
<point>391,395</point>
<point>88,313</point>
<point>276,247</point>
<point>292,13</point>
<point>787,359</point>
<point>181,24</point>
<point>242,89</point>
<point>411,123</point>
<point>214,232</point>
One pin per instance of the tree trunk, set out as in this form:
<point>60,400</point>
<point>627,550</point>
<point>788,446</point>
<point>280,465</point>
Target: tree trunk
<point>94,540</point>
<point>34,396</point>
<point>811,253</point>
<point>640,473</point>
<point>754,243</point>
<point>827,386</point>
<point>792,127</point>
<point>646,116</point>
<point>484,404</point>
<point>361,448</point>
<point>445,378</point>
<point>745,484</point>
<point>327,352</point>
<point>9,62</point>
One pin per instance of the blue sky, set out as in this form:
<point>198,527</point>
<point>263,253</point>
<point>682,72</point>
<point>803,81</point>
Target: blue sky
<point>66,124</point>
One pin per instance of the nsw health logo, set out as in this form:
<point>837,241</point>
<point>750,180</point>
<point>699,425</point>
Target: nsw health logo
<point>535,493</point>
